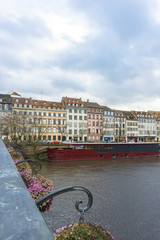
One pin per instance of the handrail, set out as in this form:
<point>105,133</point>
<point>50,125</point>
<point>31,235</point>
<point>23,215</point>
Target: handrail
<point>34,166</point>
<point>78,202</point>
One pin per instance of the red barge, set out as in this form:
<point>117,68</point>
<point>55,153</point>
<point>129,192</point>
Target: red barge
<point>97,151</point>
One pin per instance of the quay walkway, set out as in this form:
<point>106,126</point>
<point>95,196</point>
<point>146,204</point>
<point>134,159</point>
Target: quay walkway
<point>20,218</point>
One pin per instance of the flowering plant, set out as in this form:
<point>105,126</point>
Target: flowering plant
<point>82,231</point>
<point>37,185</point>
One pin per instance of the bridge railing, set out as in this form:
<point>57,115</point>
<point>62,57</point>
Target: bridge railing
<point>20,216</point>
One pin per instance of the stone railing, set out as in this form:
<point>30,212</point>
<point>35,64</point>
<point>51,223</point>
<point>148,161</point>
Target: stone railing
<point>20,218</point>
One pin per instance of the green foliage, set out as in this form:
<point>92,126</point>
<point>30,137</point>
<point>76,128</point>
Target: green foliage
<point>83,231</point>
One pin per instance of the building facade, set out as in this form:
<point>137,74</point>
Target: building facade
<point>95,121</point>
<point>147,126</point>
<point>108,124</point>
<point>76,119</point>
<point>44,120</point>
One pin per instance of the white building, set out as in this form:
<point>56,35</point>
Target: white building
<point>76,119</point>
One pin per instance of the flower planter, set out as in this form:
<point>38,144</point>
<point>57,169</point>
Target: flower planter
<point>82,231</point>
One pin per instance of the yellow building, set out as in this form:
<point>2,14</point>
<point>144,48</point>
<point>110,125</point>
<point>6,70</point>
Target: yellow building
<point>43,120</point>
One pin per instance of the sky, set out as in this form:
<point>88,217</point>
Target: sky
<point>105,51</point>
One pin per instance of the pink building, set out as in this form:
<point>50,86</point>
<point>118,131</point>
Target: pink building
<point>95,121</point>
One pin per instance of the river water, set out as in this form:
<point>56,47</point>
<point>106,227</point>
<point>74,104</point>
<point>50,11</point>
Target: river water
<point>126,195</point>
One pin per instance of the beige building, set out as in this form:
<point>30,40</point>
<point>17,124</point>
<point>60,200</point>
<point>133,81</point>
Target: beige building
<point>44,120</point>
<point>147,126</point>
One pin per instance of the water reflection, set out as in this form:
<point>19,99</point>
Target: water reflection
<point>126,195</point>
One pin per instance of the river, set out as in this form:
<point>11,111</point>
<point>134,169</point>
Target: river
<point>126,195</point>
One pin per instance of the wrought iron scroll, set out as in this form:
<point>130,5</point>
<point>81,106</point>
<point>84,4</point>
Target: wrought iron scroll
<point>36,167</point>
<point>82,210</point>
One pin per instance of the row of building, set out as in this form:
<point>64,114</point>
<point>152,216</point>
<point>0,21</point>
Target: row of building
<point>76,120</point>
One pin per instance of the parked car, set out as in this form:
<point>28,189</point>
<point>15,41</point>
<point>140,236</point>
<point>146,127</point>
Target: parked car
<point>66,141</point>
<point>44,142</point>
<point>56,142</point>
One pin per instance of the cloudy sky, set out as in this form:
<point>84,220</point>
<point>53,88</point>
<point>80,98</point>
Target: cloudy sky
<point>106,51</point>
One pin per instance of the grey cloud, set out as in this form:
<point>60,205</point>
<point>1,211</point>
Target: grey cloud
<point>25,27</point>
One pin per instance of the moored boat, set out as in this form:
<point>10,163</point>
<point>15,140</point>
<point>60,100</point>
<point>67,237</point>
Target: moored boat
<point>97,151</point>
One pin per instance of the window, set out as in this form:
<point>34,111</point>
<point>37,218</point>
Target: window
<point>75,131</point>
<point>75,117</point>
<point>59,138</point>
<point>70,131</point>
<point>49,137</point>
<point>54,137</point>
<point>70,117</point>
<point>80,117</point>
<point>93,123</point>
<point>75,110</point>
